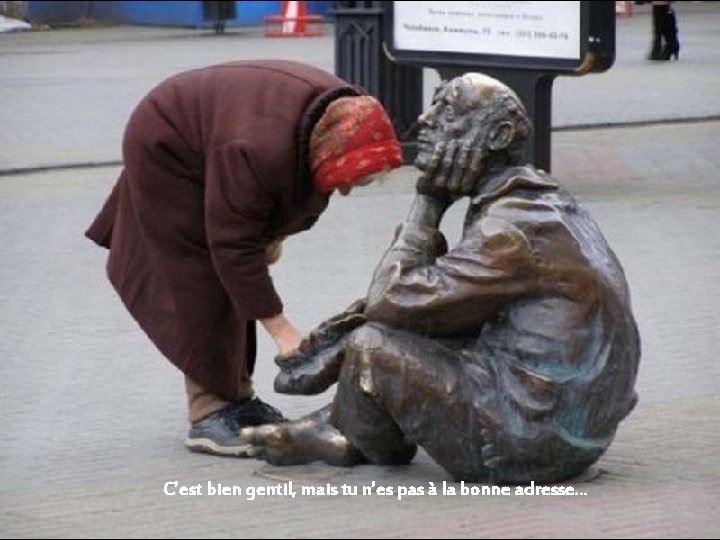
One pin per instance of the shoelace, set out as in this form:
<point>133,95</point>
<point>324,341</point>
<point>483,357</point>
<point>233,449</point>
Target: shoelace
<point>230,417</point>
<point>257,407</point>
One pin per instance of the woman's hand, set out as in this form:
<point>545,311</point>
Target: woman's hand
<point>286,337</point>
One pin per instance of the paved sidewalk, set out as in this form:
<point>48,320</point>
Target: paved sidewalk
<point>93,416</point>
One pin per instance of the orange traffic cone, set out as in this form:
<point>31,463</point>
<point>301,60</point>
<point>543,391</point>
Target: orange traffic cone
<point>293,21</point>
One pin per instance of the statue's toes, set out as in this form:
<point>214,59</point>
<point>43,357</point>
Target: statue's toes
<point>257,436</point>
<point>270,442</point>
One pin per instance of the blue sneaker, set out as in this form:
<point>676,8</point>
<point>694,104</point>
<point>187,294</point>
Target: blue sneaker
<point>256,412</point>
<point>217,434</point>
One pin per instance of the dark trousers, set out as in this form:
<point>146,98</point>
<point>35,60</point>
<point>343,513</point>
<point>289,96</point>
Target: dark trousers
<point>665,41</point>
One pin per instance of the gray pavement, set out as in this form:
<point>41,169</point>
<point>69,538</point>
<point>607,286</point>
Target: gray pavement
<point>93,416</point>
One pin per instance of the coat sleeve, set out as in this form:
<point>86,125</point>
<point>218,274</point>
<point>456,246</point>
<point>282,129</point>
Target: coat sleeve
<point>237,214</point>
<point>418,285</point>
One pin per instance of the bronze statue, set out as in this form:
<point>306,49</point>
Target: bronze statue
<point>510,357</point>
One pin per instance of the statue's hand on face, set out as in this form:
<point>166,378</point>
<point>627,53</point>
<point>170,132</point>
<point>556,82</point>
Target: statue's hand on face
<point>448,155</point>
<point>453,169</point>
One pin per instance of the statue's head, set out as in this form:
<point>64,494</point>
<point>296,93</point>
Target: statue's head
<point>478,111</point>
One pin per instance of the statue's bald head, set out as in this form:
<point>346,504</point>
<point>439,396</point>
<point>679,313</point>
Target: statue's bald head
<point>478,111</point>
<point>478,91</point>
<point>493,101</point>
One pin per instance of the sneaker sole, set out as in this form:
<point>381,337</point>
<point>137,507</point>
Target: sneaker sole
<point>207,446</point>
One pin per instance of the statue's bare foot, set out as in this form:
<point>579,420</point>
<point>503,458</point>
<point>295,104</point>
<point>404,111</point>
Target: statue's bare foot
<point>301,441</point>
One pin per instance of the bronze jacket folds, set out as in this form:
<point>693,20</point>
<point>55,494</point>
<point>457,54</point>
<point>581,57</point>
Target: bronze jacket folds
<point>214,168</point>
<point>540,306</point>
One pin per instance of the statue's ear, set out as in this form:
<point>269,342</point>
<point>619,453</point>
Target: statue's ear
<point>501,136</point>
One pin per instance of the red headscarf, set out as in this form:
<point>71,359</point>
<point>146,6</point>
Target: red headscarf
<point>353,138</point>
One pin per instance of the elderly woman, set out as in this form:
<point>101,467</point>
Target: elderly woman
<point>221,164</point>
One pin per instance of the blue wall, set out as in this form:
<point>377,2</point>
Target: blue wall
<point>154,13</point>
<point>57,12</point>
<point>162,13</point>
<point>252,13</point>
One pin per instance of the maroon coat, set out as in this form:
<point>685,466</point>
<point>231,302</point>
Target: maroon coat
<point>215,167</point>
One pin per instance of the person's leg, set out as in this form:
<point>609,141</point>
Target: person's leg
<point>669,31</point>
<point>659,11</point>
<point>251,410</point>
<point>214,423</point>
<point>202,403</point>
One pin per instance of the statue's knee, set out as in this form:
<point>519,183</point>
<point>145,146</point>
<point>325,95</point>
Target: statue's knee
<point>368,338</point>
<point>363,352</point>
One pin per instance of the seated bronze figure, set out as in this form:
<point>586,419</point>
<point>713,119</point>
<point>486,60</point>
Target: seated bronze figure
<point>510,357</point>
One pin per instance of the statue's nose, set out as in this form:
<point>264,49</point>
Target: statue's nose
<point>426,119</point>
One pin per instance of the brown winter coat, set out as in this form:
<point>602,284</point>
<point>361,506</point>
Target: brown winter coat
<point>215,167</point>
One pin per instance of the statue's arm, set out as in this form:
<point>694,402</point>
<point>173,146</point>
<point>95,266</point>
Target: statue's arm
<point>420,285</point>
